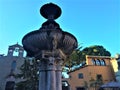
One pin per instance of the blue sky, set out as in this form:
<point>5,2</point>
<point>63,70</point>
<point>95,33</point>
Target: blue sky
<point>93,22</point>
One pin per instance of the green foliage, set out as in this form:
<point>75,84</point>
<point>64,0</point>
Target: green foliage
<point>27,85</point>
<point>96,50</point>
<point>29,74</point>
<point>73,59</point>
<point>79,55</point>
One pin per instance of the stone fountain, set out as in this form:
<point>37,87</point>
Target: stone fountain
<point>51,46</point>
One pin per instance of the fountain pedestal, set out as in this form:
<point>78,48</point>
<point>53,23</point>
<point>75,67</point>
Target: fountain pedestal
<point>51,46</point>
<point>50,71</point>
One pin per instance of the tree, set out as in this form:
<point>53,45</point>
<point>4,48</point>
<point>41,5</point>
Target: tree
<point>73,59</point>
<point>95,50</point>
<point>78,56</point>
<point>29,74</point>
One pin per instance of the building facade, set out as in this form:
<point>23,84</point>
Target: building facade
<point>118,67</point>
<point>10,65</point>
<point>97,71</point>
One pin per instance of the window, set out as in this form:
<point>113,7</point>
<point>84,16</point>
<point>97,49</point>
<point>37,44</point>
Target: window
<point>103,62</point>
<point>99,77</point>
<point>93,62</point>
<point>80,75</point>
<point>16,52</point>
<point>70,76</point>
<point>98,62</point>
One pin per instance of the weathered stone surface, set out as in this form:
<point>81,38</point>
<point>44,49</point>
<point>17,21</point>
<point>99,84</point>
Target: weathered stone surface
<point>50,45</point>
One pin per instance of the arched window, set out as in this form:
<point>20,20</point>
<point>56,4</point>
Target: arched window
<point>16,51</point>
<point>103,62</point>
<point>98,62</point>
<point>93,62</point>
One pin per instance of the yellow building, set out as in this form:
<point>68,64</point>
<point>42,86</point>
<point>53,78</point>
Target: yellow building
<point>97,71</point>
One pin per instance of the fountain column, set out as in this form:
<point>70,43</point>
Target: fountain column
<point>50,71</point>
<point>51,78</point>
<point>42,75</point>
<point>59,74</point>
